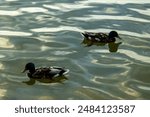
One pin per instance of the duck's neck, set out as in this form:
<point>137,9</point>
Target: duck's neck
<point>110,37</point>
<point>32,70</point>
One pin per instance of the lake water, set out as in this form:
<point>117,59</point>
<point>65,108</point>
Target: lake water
<point>47,32</point>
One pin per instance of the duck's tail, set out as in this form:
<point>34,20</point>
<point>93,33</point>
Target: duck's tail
<point>84,34</point>
<point>63,72</point>
<point>66,71</point>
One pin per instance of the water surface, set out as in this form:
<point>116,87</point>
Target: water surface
<point>47,33</point>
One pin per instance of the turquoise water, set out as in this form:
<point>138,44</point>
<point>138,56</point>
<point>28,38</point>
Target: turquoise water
<point>47,32</point>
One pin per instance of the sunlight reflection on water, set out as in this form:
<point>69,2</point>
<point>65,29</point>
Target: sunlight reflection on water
<point>48,34</point>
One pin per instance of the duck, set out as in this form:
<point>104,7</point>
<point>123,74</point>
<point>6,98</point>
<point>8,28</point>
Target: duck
<point>44,72</point>
<point>101,37</point>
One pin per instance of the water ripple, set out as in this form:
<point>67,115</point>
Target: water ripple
<point>14,33</point>
<point>144,12</point>
<point>56,29</point>
<point>90,18</point>
<point>48,34</point>
<point>5,43</point>
<point>10,13</point>
<point>66,7</point>
<point>33,10</point>
<point>136,56</point>
<point>114,1</point>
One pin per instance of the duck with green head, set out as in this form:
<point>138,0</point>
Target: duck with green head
<point>44,72</point>
<point>101,37</point>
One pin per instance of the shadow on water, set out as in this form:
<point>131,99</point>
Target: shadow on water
<point>59,79</point>
<point>113,47</point>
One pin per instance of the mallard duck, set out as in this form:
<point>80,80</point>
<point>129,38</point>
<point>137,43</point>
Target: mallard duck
<point>44,72</point>
<point>101,37</point>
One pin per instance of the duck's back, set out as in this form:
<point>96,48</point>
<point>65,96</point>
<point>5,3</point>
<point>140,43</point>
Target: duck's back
<point>48,72</point>
<point>41,72</point>
<point>96,37</point>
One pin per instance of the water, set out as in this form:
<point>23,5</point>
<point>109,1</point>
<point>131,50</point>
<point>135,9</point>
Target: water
<point>47,33</point>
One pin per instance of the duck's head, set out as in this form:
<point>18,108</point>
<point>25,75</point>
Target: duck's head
<point>29,66</point>
<point>113,34</point>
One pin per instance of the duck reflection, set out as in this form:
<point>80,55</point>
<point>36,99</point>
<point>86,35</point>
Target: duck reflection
<point>113,46</point>
<point>59,79</point>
